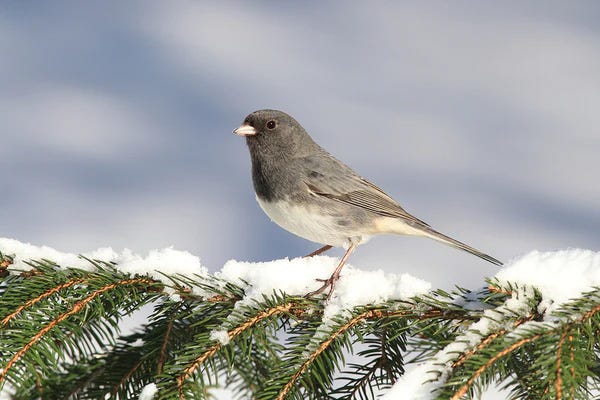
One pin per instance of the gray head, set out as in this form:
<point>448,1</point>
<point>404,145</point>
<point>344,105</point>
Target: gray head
<point>272,133</point>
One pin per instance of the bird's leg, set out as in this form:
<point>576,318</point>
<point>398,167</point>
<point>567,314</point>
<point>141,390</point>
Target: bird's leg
<point>319,251</point>
<point>335,276</point>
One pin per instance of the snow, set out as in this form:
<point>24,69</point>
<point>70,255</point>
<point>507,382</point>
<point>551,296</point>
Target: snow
<point>220,336</point>
<point>299,276</point>
<point>148,392</point>
<point>155,264</point>
<point>558,275</point>
<point>412,384</point>
<point>7,392</point>
<point>294,277</point>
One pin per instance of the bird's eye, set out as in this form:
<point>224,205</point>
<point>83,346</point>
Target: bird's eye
<point>271,124</point>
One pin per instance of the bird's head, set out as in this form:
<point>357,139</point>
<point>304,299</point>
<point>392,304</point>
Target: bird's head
<point>275,132</point>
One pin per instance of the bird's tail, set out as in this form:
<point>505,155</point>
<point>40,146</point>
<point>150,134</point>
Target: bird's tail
<point>433,234</point>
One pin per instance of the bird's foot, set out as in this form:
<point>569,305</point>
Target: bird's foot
<point>336,274</point>
<point>327,283</point>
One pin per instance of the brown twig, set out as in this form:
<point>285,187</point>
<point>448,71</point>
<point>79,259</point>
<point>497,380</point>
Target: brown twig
<point>489,339</point>
<point>126,377</point>
<point>463,390</point>
<point>572,359</point>
<point>163,349</point>
<point>42,296</point>
<point>231,334</point>
<point>499,290</point>
<point>558,382</point>
<point>321,349</point>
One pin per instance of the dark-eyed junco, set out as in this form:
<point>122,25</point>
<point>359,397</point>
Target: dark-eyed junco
<point>310,193</point>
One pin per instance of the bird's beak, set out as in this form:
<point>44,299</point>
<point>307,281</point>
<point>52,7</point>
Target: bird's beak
<point>245,130</point>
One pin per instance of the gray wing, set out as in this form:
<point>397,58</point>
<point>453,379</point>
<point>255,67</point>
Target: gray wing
<point>326,176</point>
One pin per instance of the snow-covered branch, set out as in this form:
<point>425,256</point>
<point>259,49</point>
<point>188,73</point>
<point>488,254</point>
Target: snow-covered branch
<point>533,327</point>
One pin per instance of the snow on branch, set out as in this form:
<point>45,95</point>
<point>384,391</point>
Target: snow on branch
<point>293,277</point>
<point>529,328</point>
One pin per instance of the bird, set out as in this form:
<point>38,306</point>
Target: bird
<point>310,193</point>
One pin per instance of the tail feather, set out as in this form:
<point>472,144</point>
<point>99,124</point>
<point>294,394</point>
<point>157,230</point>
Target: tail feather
<point>433,234</point>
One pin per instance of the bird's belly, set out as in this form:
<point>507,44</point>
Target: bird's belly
<point>306,222</point>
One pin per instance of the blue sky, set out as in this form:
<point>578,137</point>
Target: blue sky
<point>480,118</point>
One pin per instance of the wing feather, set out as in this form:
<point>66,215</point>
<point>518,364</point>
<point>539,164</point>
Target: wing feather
<point>336,181</point>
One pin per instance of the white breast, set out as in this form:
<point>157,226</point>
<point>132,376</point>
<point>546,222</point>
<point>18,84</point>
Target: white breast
<point>305,222</point>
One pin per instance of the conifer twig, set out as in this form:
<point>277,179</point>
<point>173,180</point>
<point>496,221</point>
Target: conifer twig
<point>558,381</point>
<point>42,296</point>
<point>463,390</point>
<point>163,349</point>
<point>77,307</point>
<point>231,334</point>
<point>321,348</point>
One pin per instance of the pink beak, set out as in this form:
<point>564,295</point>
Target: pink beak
<point>245,130</point>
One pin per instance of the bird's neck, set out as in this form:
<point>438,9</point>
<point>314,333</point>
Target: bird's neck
<point>267,175</point>
<point>270,167</point>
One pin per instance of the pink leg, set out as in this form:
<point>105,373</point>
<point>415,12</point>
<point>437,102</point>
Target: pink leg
<point>317,252</point>
<point>335,276</point>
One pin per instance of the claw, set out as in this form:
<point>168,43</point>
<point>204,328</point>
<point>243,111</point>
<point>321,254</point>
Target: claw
<point>330,282</point>
<point>326,283</point>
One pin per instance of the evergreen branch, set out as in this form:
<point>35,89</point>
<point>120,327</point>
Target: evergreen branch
<point>488,340</point>
<point>84,380</point>
<point>384,351</point>
<point>70,384</point>
<point>42,296</point>
<point>231,334</point>
<point>132,362</point>
<point>463,390</point>
<point>589,314</point>
<point>558,382</point>
<point>77,307</point>
<point>126,377</point>
<point>163,348</point>
<point>434,313</point>
<point>5,262</point>
<point>499,290</point>
<point>520,343</point>
<point>321,348</point>
<point>572,369</point>
<point>364,380</point>
<point>280,346</point>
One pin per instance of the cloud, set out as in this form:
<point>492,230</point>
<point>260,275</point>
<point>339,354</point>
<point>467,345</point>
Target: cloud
<point>477,118</point>
<point>71,121</point>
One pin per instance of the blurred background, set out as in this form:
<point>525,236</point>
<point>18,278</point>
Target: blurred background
<point>481,118</point>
